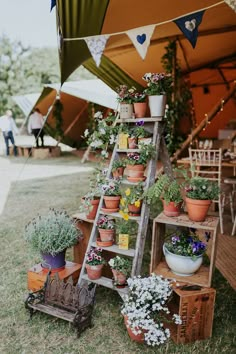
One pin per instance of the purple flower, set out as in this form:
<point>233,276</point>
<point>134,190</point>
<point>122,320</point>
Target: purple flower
<point>140,123</point>
<point>175,239</point>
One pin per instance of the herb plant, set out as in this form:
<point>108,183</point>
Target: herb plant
<point>120,264</point>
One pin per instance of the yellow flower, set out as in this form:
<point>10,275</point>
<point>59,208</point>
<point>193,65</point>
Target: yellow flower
<point>126,217</point>
<point>137,203</point>
<point>127,192</point>
<point>122,202</point>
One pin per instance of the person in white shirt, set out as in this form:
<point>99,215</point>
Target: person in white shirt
<point>35,126</point>
<point>8,127</point>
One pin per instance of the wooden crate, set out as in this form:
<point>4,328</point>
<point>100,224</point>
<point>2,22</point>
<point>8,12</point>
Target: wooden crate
<point>37,275</point>
<point>158,264</point>
<point>196,309</point>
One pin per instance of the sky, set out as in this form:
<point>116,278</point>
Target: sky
<point>29,21</point>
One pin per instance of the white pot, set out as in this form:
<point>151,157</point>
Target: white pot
<point>157,105</point>
<point>126,110</point>
<point>182,265</point>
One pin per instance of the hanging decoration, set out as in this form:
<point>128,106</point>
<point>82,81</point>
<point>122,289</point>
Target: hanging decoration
<point>96,46</point>
<point>140,38</point>
<point>232,4</point>
<point>189,26</point>
<point>53,3</point>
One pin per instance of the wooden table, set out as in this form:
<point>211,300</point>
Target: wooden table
<point>232,163</point>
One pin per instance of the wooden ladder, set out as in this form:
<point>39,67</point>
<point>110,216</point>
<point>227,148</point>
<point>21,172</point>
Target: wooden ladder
<point>155,126</point>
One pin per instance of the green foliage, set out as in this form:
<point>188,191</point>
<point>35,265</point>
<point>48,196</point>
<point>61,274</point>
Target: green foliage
<point>52,233</point>
<point>132,194</point>
<point>157,84</point>
<point>202,189</point>
<point>126,226</point>
<point>122,265</point>
<point>118,163</point>
<point>147,152</point>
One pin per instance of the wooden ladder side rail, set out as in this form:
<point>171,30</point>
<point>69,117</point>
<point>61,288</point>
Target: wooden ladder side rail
<point>203,123</point>
<point>142,231</point>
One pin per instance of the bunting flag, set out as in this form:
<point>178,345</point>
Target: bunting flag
<point>96,46</point>
<point>140,38</point>
<point>189,26</point>
<point>232,4</point>
<point>53,3</point>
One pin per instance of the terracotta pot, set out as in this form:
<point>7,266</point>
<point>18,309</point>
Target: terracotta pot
<point>112,202</point>
<point>132,143</point>
<point>92,214</point>
<point>171,209</point>
<point>119,278</point>
<point>94,272</point>
<point>106,234</point>
<point>135,337</point>
<point>197,209</point>
<point>140,109</point>
<point>134,209</point>
<point>118,172</point>
<point>135,170</point>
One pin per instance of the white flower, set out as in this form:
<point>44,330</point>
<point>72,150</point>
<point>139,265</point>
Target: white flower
<point>104,154</point>
<point>102,131</point>
<point>86,133</point>
<point>96,143</point>
<point>98,114</point>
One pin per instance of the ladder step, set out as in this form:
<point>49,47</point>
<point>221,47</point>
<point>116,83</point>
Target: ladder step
<point>118,215</point>
<point>128,150</point>
<point>135,120</point>
<point>125,181</point>
<point>107,283</point>
<point>114,248</point>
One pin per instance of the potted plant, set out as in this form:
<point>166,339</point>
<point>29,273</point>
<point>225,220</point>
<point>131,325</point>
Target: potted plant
<point>112,194</point>
<point>106,229</point>
<point>118,167</point>
<point>131,200</point>
<point>140,104</point>
<point>169,191</point>
<point>199,194</point>
<point>145,309</point>
<point>136,162</point>
<point>94,263</point>
<point>51,234</point>
<point>125,98</point>
<point>141,134</point>
<point>158,86</point>
<point>124,228</point>
<point>123,134</point>
<point>184,252</point>
<point>121,268</point>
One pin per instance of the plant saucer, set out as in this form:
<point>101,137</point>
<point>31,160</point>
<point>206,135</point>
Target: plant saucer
<point>134,214</point>
<point>104,243</point>
<point>107,211</point>
<point>136,179</point>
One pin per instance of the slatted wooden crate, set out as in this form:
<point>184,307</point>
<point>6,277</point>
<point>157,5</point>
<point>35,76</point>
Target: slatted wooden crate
<point>196,309</point>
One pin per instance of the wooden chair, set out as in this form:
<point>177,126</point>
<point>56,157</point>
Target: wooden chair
<point>208,164</point>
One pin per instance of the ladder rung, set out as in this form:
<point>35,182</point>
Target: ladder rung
<point>114,248</point>
<point>135,120</point>
<point>118,215</point>
<point>125,181</point>
<point>107,283</point>
<point>128,150</point>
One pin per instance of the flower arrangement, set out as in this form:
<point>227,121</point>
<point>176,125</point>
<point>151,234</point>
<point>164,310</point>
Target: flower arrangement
<point>185,242</point>
<point>125,95</point>
<point>122,265</point>
<point>157,84</point>
<point>146,153</point>
<point>145,308</point>
<point>139,97</point>
<point>94,256</point>
<point>104,222</point>
<point>131,196</point>
<point>202,189</point>
<point>111,187</point>
<point>138,131</point>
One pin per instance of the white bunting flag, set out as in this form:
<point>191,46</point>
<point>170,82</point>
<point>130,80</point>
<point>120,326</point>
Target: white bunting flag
<point>96,46</point>
<point>140,38</point>
<point>231,3</point>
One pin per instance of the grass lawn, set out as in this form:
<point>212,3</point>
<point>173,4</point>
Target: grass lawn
<point>44,334</point>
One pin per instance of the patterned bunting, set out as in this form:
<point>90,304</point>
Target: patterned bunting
<point>53,3</point>
<point>189,26</point>
<point>96,46</point>
<point>140,38</point>
<point>231,3</point>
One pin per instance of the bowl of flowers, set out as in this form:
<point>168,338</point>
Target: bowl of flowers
<point>184,251</point>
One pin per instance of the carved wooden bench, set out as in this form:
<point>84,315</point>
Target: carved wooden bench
<point>64,300</point>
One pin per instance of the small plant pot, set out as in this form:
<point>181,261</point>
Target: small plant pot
<point>92,214</point>
<point>126,110</point>
<point>106,235</point>
<point>112,202</point>
<point>94,271</point>
<point>171,209</point>
<point>54,262</point>
<point>135,337</point>
<point>134,210</point>
<point>197,209</point>
<point>119,277</point>
<point>118,173</point>
<point>145,141</point>
<point>132,143</point>
<point>135,171</point>
<point>140,109</point>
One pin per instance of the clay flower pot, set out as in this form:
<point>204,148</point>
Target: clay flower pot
<point>94,271</point>
<point>136,171</point>
<point>92,214</point>
<point>119,277</point>
<point>112,202</point>
<point>197,209</point>
<point>118,172</point>
<point>140,109</point>
<point>106,234</point>
<point>135,337</point>
<point>171,209</point>
<point>132,143</point>
<point>134,210</point>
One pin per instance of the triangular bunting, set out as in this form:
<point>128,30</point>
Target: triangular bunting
<point>140,38</point>
<point>231,3</point>
<point>53,3</point>
<point>96,46</point>
<point>189,26</point>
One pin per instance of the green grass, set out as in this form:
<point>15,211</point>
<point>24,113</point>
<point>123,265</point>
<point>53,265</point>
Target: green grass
<point>45,334</point>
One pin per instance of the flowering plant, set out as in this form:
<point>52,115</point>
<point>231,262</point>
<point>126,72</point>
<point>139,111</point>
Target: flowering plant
<point>111,187</point>
<point>139,131</point>
<point>202,189</point>
<point>185,242</point>
<point>105,223</point>
<point>157,84</point>
<point>94,256</point>
<point>139,97</point>
<point>118,163</point>
<point>145,308</point>
<point>122,265</point>
<point>125,95</point>
<point>146,153</point>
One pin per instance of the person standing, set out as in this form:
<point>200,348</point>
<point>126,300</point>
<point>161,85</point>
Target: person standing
<point>35,126</point>
<point>8,127</point>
